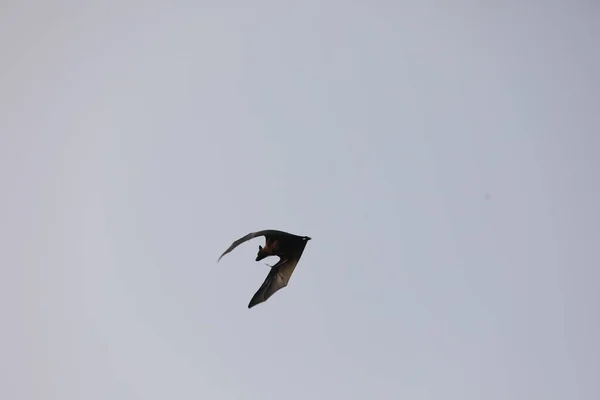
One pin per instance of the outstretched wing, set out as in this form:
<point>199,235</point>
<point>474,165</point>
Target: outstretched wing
<point>278,278</point>
<point>252,235</point>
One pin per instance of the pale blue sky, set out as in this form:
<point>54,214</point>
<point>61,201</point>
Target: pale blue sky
<point>442,155</point>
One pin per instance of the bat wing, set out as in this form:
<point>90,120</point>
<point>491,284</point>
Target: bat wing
<point>278,278</point>
<point>252,235</point>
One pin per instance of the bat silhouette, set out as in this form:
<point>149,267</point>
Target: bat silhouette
<point>287,247</point>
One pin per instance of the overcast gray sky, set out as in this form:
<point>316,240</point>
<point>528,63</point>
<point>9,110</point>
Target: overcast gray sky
<point>442,155</point>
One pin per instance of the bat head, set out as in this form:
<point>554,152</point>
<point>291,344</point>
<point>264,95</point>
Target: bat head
<point>261,254</point>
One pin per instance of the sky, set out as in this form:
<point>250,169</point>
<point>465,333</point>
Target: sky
<point>443,156</point>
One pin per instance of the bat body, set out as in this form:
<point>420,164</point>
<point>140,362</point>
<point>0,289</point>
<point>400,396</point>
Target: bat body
<point>287,247</point>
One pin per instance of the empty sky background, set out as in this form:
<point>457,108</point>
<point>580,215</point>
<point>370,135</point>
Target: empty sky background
<point>442,155</point>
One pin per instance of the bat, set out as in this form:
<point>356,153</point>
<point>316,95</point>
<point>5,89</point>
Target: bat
<point>288,247</point>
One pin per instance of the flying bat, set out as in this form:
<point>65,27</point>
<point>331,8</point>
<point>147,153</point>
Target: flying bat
<point>287,247</point>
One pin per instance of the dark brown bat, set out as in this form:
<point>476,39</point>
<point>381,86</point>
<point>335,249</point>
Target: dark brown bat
<point>287,247</point>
